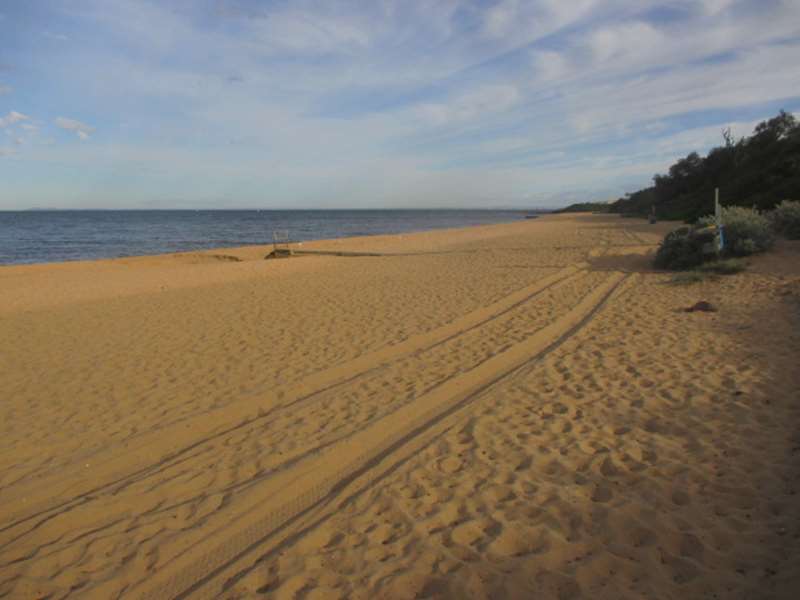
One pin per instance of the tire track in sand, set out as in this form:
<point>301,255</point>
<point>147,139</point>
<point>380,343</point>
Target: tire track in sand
<point>312,487</point>
<point>135,462</point>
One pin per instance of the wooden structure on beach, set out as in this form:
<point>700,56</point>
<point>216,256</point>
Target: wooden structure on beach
<point>281,244</point>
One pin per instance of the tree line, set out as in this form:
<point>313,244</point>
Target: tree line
<point>758,171</point>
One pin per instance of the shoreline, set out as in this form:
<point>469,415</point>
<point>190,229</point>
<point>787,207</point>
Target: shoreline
<point>520,215</point>
<point>87,280</point>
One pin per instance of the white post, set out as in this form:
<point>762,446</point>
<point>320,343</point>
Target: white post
<point>718,218</point>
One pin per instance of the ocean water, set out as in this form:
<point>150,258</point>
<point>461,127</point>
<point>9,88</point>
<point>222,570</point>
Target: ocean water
<point>52,236</point>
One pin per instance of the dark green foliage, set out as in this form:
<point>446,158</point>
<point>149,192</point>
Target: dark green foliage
<point>687,278</point>
<point>785,219</point>
<point>746,231</point>
<point>638,203</point>
<point>711,270</point>
<point>585,207</point>
<point>685,248</point>
<point>757,171</point>
<point>730,266</point>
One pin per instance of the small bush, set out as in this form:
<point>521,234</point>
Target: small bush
<point>730,266</point>
<point>684,248</point>
<point>747,231</point>
<point>687,278</point>
<point>710,271</point>
<point>785,219</point>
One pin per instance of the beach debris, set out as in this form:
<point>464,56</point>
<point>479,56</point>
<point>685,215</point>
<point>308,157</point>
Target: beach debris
<point>279,253</point>
<point>701,306</point>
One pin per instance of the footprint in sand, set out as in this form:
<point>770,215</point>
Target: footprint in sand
<point>450,465</point>
<point>467,534</point>
<point>691,547</point>
<point>383,534</point>
<point>680,498</point>
<point>450,515</point>
<point>515,542</point>
<point>293,587</point>
<point>408,586</point>
<point>641,536</point>
<point>325,593</point>
<point>320,538</point>
<point>499,493</point>
<point>608,468</point>
<point>602,493</point>
<point>682,571</point>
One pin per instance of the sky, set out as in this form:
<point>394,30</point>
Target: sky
<point>376,104</point>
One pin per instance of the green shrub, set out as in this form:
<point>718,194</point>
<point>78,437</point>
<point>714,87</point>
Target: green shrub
<point>684,248</point>
<point>730,266</point>
<point>785,219</point>
<point>687,278</point>
<point>710,270</point>
<point>746,231</point>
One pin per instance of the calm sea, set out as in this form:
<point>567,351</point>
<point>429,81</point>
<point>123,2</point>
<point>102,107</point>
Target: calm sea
<point>49,236</point>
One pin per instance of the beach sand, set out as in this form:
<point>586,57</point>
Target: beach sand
<point>506,411</point>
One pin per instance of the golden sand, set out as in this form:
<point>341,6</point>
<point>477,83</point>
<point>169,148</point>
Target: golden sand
<point>507,411</point>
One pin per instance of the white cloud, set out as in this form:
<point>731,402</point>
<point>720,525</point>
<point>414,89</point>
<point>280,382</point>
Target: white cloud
<point>55,36</point>
<point>333,99</point>
<point>610,43</point>
<point>713,7</point>
<point>11,118</point>
<point>523,21</point>
<point>627,47</point>
<point>549,65</point>
<point>306,32</point>
<point>749,79</point>
<point>472,105</point>
<point>82,130</point>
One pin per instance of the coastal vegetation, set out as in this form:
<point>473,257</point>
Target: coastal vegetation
<point>785,219</point>
<point>759,171</point>
<point>754,175</point>
<point>745,231</point>
<point>586,207</point>
<point>712,270</point>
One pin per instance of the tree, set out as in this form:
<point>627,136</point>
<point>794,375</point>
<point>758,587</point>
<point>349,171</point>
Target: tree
<point>760,170</point>
<point>777,128</point>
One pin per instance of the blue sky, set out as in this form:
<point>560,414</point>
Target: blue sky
<point>406,103</point>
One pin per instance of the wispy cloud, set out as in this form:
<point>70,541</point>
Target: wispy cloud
<point>11,118</point>
<point>4,89</point>
<point>55,36</point>
<point>397,102</point>
<point>473,104</point>
<point>82,130</point>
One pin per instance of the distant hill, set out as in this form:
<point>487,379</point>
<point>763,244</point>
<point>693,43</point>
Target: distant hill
<point>586,207</point>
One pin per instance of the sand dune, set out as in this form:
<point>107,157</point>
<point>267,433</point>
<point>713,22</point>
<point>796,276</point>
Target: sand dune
<point>509,411</point>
